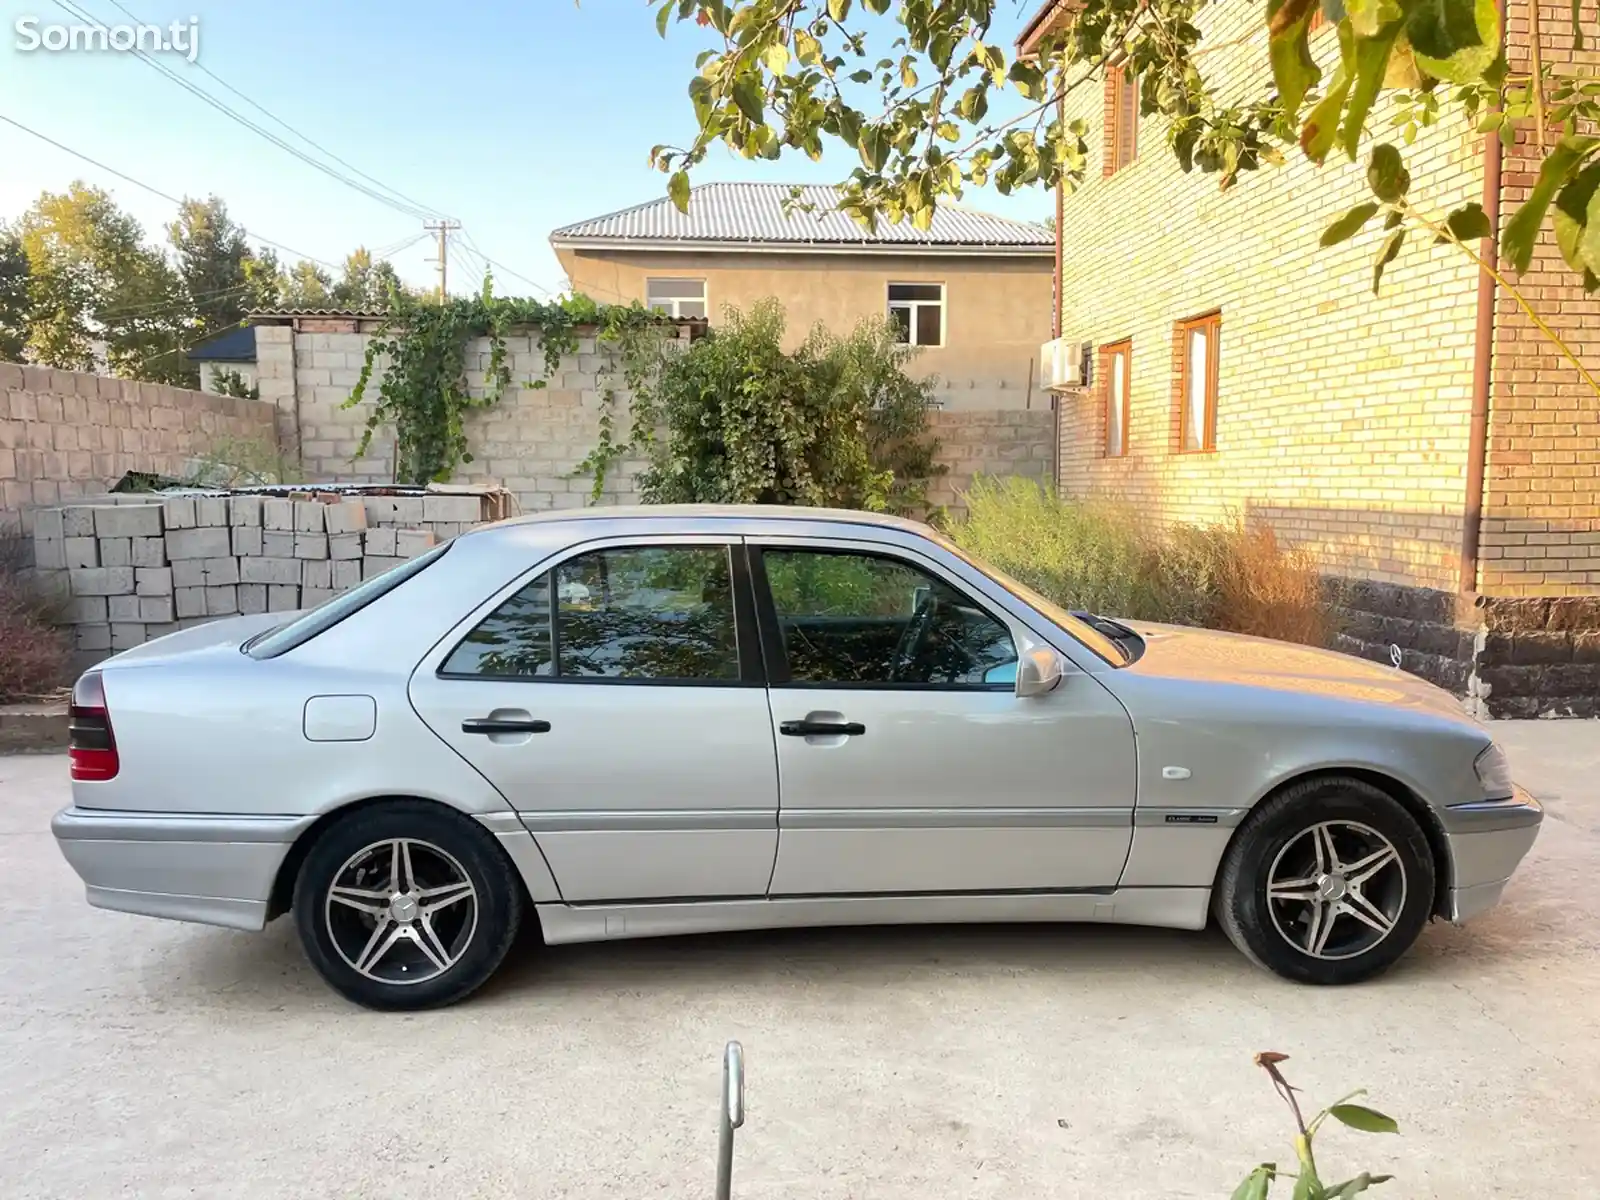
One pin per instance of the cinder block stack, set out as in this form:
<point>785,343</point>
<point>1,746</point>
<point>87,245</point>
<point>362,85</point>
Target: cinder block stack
<point>137,571</point>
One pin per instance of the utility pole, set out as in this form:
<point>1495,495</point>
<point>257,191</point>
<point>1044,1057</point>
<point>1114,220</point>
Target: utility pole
<point>442,230</point>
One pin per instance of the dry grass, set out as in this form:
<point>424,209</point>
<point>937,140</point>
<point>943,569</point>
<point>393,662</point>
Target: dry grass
<point>34,655</point>
<point>1107,558</point>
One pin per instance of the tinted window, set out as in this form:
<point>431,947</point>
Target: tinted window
<point>866,620</point>
<point>658,612</point>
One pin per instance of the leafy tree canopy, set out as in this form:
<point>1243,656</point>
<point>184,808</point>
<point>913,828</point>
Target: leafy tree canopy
<point>931,100</point>
<point>82,289</point>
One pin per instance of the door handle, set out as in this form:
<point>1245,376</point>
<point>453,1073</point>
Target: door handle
<point>504,725</point>
<point>822,728</point>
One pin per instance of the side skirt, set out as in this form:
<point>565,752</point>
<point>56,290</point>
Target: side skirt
<point>1172,908</point>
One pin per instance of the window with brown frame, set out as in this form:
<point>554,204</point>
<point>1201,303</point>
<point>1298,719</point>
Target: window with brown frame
<point>1198,351</point>
<point>1318,20</point>
<point>1121,118</point>
<point>1116,361</point>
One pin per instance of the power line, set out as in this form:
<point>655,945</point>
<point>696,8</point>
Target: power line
<point>303,137</point>
<point>502,266</point>
<point>409,209</point>
<point>417,204</point>
<point>155,191</point>
<point>405,203</point>
<point>393,248</point>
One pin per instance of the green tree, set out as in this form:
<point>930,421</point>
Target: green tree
<point>737,419</point>
<point>306,286</point>
<point>13,296</point>
<point>366,284</point>
<point>211,252</point>
<point>931,104</point>
<point>97,290</point>
<point>264,280</point>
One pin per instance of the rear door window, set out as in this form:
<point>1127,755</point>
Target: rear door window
<point>648,613</point>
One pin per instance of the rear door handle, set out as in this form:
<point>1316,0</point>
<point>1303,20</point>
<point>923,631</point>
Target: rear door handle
<point>822,728</point>
<point>504,725</point>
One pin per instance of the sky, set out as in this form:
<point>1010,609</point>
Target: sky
<point>514,118</point>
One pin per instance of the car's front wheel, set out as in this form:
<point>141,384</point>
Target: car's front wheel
<point>1329,882</point>
<point>406,905</point>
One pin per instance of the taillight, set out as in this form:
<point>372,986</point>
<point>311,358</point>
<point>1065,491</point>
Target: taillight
<point>92,749</point>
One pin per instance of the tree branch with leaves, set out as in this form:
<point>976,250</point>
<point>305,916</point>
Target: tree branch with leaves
<point>917,95</point>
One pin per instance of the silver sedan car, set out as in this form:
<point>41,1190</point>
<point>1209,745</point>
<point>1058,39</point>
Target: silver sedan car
<point>626,723</point>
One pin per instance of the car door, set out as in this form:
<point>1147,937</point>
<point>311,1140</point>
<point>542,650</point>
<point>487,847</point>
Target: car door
<point>616,699</point>
<point>906,762</point>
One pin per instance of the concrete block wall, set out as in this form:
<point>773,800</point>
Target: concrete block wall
<point>974,443</point>
<point>141,569</point>
<point>530,442</point>
<point>66,435</point>
<point>533,440</point>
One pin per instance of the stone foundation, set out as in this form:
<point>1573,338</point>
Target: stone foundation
<point>1369,619</point>
<point>1538,657</point>
<point>1506,656</point>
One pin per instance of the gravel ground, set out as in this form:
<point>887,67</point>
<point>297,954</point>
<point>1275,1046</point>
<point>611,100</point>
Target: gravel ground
<point>150,1059</point>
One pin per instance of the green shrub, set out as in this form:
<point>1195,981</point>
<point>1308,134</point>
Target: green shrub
<point>1105,557</point>
<point>737,419</point>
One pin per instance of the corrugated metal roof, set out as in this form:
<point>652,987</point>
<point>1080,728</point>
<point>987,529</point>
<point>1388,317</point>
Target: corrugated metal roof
<point>289,311</point>
<point>754,213</point>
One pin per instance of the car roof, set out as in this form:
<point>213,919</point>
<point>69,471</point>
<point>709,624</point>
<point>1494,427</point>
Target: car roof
<point>669,513</point>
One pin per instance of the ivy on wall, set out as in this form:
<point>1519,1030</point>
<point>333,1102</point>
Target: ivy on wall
<point>423,392</point>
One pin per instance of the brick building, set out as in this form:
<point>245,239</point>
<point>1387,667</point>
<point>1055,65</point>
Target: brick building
<point>1425,444</point>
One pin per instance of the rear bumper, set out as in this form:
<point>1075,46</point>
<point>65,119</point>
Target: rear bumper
<point>217,870</point>
<point>1488,839</point>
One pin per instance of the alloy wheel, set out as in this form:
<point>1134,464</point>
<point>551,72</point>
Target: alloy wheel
<point>1336,890</point>
<point>401,911</point>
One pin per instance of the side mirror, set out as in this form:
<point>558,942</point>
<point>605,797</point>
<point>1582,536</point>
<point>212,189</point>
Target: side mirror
<point>1038,671</point>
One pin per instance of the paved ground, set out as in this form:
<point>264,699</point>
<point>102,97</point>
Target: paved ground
<point>150,1059</point>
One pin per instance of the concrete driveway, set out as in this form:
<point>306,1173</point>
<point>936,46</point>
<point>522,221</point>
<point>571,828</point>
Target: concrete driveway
<point>149,1059</point>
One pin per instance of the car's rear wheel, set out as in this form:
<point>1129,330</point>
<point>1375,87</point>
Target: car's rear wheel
<point>1329,882</point>
<point>406,905</point>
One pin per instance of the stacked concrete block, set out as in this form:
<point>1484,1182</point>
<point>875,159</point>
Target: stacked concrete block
<point>135,568</point>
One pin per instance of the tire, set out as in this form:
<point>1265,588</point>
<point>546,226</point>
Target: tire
<point>461,907</point>
<point>1286,842</point>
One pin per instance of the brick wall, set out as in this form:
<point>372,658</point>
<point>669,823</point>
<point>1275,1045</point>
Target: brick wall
<point>1341,418</point>
<point>64,435</point>
<point>532,441</point>
<point>1541,528</point>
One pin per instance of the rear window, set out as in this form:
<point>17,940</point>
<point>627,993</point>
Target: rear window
<point>282,638</point>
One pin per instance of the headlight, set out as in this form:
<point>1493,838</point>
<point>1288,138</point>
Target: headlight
<point>1494,772</point>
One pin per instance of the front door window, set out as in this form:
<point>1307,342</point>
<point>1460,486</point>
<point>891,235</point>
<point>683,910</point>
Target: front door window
<point>863,620</point>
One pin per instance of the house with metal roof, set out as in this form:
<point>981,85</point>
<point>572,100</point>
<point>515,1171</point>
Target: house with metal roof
<point>229,351</point>
<point>973,292</point>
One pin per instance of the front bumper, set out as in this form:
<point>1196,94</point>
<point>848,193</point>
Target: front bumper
<point>218,870</point>
<point>1488,838</point>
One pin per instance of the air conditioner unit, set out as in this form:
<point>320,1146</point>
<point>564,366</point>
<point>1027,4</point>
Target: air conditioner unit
<point>1063,364</point>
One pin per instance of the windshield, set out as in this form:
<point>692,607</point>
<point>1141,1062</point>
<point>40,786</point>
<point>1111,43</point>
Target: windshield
<point>283,638</point>
<point>1081,630</point>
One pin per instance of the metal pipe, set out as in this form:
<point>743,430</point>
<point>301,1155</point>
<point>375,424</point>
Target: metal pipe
<point>1482,363</point>
<point>732,1115</point>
